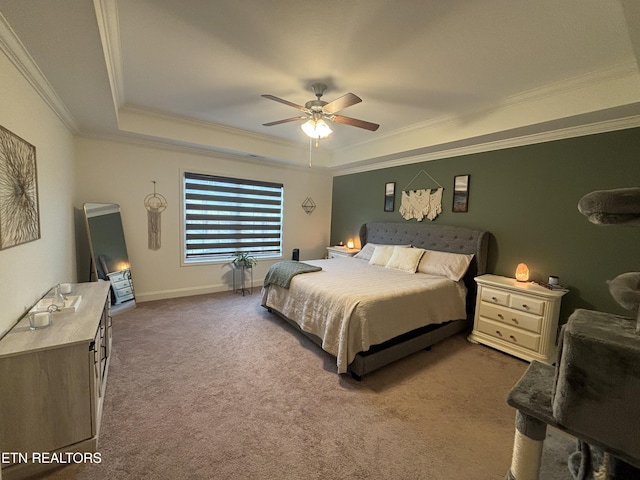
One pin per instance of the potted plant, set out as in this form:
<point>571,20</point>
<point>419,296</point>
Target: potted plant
<point>244,260</point>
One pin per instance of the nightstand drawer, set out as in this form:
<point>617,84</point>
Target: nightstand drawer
<point>118,276</point>
<point>119,285</point>
<point>511,317</point>
<point>496,297</point>
<point>508,334</point>
<point>527,304</point>
<point>122,291</point>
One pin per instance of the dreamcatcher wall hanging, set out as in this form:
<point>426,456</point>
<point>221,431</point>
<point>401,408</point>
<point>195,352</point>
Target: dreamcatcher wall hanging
<point>421,203</point>
<point>155,205</point>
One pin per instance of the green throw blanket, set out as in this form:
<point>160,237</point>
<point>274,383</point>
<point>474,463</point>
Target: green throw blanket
<point>281,273</point>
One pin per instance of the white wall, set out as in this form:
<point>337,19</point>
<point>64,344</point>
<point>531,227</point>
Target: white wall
<point>29,270</point>
<point>118,172</point>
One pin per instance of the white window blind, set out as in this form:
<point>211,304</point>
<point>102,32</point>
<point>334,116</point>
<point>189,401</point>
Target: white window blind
<point>227,215</point>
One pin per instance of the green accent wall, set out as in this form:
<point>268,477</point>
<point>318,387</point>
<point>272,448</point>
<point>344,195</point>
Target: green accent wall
<point>527,198</point>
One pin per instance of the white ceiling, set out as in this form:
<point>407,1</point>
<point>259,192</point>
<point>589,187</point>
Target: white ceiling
<point>440,77</point>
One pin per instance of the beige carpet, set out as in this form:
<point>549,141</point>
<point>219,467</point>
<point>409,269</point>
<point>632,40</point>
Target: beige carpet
<point>215,387</point>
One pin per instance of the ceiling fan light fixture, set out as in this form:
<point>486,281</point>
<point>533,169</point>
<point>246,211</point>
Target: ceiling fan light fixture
<point>316,128</point>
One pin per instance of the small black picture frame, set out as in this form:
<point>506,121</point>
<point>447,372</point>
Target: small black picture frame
<point>461,193</point>
<point>389,196</point>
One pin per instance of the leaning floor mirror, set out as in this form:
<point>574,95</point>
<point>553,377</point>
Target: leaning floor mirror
<point>109,259</point>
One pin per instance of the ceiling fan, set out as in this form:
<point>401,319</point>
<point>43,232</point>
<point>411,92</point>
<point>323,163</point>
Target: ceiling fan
<point>317,111</point>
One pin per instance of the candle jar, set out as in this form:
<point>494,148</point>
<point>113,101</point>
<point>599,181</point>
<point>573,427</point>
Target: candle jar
<point>39,320</point>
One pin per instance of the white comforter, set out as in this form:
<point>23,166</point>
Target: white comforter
<point>352,305</point>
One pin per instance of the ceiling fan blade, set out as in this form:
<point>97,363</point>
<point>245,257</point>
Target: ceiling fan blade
<point>286,120</point>
<point>354,122</point>
<point>286,102</point>
<point>341,103</point>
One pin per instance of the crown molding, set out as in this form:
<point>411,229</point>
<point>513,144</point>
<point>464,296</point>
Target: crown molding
<point>212,136</point>
<point>18,55</point>
<point>589,80</point>
<point>109,27</point>
<point>192,149</point>
<point>487,144</point>
<point>628,70</point>
<point>192,122</point>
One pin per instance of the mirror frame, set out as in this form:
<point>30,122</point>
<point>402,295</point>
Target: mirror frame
<point>92,210</point>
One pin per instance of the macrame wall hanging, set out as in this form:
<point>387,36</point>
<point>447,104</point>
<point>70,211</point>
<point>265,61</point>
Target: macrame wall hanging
<point>155,205</point>
<point>421,203</point>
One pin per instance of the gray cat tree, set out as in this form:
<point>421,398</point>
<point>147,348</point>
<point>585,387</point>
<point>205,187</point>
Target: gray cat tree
<point>593,392</point>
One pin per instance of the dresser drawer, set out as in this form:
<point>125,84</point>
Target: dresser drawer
<point>496,297</point>
<point>511,317</point>
<point>508,334</point>
<point>527,304</point>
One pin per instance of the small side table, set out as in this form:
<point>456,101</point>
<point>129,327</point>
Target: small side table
<point>519,318</point>
<point>121,285</point>
<point>240,277</point>
<point>333,252</point>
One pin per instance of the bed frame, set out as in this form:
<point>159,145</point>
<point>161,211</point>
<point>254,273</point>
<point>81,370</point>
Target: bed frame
<point>430,237</point>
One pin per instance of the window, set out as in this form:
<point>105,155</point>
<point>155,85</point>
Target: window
<point>225,215</point>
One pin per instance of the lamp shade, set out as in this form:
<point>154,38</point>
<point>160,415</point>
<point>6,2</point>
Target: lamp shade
<point>522,272</point>
<point>350,243</point>
<point>316,128</point>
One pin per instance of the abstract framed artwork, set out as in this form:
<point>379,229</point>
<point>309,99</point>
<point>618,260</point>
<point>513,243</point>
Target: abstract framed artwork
<point>389,196</point>
<point>19,211</point>
<point>460,193</point>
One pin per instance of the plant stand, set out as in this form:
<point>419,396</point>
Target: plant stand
<point>240,273</point>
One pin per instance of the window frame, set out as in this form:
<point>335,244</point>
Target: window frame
<point>248,183</point>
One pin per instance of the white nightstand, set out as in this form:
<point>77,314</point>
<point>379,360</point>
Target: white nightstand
<point>333,252</point>
<point>519,318</point>
<point>121,285</point>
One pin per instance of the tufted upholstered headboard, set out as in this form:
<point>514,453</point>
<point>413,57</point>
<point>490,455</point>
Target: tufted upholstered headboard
<point>444,238</point>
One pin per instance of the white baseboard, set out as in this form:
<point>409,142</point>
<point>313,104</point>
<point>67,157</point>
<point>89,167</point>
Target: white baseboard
<point>188,292</point>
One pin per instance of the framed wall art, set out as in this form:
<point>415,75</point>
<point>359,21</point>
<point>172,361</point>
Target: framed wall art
<point>19,211</point>
<point>460,193</point>
<point>389,196</point>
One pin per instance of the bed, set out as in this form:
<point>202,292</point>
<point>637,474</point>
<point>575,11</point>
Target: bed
<point>367,315</point>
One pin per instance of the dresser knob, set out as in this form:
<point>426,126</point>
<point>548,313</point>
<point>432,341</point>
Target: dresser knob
<point>513,338</point>
<point>525,306</point>
<point>500,316</point>
<point>494,299</point>
<point>515,320</point>
<point>499,333</point>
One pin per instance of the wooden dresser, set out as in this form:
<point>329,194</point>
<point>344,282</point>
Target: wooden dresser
<point>519,318</point>
<point>53,382</point>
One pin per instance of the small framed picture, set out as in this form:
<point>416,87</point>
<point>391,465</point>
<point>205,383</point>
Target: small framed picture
<point>460,193</point>
<point>389,196</point>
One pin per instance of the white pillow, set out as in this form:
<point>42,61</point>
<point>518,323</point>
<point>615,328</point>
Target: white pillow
<point>366,251</point>
<point>405,259</point>
<point>381,255</point>
<point>445,264</point>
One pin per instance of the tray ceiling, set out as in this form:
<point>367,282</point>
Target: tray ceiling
<point>439,77</point>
